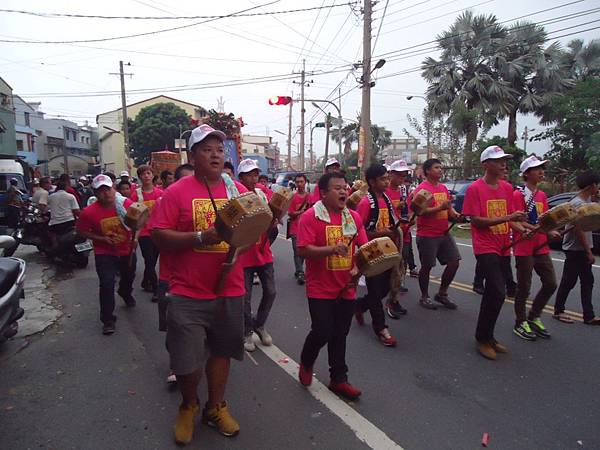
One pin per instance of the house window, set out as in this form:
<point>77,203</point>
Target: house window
<point>20,145</point>
<point>27,119</point>
<point>67,133</point>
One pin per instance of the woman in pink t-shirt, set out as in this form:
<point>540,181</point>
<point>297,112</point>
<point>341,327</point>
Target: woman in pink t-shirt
<point>298,206</point>
<point>326,241</point>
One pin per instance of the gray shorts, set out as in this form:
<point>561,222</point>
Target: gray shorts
<point>442,248</point>
<point>197,329</point>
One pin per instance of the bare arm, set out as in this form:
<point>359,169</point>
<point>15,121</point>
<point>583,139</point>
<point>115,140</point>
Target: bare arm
<point>76,213</point>
<point>313,251</point>
<point>435,209</point>
<point>485,222</point>
<point>96,237</point>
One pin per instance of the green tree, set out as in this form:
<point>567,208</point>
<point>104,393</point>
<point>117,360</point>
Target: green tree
<point>155,128</point>
<point>227,123</point>
<point>576,134</point>
<point>534,73</point>
<point>464,84</point>
<point>582,60</point>
<point>381,138</point>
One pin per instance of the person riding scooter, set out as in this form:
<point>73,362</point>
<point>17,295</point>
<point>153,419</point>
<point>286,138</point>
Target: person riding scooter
<point>64,210</point>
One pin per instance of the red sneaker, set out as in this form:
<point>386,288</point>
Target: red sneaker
<point>345,389</point>
<point>360,318</point>
<point>389,341</point>
<point>305,375</point>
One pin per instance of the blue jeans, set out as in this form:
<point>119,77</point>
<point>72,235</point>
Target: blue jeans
<point>266,274</point>
<point>107,267</point>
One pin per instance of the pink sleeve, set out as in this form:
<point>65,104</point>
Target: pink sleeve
<point>306,230</point>
<point>361,238</point>
<point>471,205</point>
<point>293,203</point>
<point>167,213</point>
<point>363,209</point>
<point>84,223</point>
<point>518,199</point>
<point>510,208</point>
<point>133,196</point>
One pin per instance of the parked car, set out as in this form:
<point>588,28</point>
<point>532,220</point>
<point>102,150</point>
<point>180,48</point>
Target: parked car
<point>562,198</point>
<point>284,178</point>
<point>457,190</point>
<point>10,169</point>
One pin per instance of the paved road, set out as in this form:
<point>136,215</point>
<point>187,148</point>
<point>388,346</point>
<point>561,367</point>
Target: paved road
<point>74,388</point>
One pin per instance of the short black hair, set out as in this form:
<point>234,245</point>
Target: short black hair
<point>587,178</point>
<point>165,173</point>
<point>262,175</point>
<point>111,176</point>
<point>375,171</point>
<point>123,183</point>
<point>324,180</point>
<point>229,165</point>
<point>429,164</point>
<point>181,168</point>
<point>301,175</point>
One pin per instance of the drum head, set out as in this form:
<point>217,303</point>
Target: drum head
<point>249,230</point>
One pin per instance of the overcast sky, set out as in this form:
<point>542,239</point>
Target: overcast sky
<point>243,48</point>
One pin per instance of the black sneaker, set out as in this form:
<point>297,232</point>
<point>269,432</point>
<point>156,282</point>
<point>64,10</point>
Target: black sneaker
<point>426,303</point>
<point>403,290</point>
<point>524,332</point>
<point>300,278</point>
<point>394,310</point>
<point>444,300</point>
<point>538,328</point>
<point>478,289</point>
<point>108,329</point>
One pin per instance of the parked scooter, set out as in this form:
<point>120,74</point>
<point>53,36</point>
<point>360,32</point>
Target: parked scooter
<point>12,283</point>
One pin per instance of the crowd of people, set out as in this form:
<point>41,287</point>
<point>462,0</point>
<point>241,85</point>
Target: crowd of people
<point>208,323</point>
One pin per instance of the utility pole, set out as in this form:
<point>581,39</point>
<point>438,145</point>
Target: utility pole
<point>340,121</point>
<point>124,108</point>
<point>526,138</point>
<point>327,125</point>
<point>302,77</point>
<point>365,115</point>
<point>289,139</point>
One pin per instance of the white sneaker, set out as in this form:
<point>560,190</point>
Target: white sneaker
<point>249,345</point>
<point>264,336</point>
<point>171,378</point>
<point>255,280</point>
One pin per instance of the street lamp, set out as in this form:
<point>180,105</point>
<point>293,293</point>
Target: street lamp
<point>410,97</point>
<point>340,121</point>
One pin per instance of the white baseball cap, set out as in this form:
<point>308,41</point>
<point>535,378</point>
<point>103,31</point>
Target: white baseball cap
<point>399,166</point>
<point>124,173</point>
<point>247,165</point>
<point>331,162</point>
<point>202,132</point>
<point>530,163</point>
<point>494,152</point>
<point>101,180</point>
<point>82,178</point>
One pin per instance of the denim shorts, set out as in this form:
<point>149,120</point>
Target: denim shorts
<point>197,329</point>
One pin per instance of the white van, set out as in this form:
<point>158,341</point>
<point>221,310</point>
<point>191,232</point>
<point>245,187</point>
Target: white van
<point>9,168</point>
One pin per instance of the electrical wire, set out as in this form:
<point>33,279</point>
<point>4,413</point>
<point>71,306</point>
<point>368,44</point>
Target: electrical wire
<point>380,25</point>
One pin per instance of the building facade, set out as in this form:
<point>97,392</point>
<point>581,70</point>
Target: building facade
<point>111,143</point>
<point>8,142</point>
<point>25,133</point>
<point>260,147</point>
<point>401,148</point>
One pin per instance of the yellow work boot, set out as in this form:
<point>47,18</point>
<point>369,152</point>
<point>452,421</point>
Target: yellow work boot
<point>184,424</point>
<point>220,418</point>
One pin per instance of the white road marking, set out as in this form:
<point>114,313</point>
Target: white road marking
<point>364,430</point>
<point>553,259</point>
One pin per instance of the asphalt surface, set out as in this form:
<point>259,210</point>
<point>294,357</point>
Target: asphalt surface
<point>72,387</point>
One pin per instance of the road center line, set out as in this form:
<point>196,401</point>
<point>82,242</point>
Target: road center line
<point>364,430</point>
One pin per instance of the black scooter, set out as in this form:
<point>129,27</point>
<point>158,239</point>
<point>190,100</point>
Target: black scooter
<point>12,284</point>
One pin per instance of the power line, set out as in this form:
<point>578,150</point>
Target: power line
<point>148,33</point>
<point>86,16</point>
<point>380,25</point>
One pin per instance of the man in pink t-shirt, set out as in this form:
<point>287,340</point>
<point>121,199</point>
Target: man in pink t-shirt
<point>148,194</point>
<point>433,240</point>
<point>101,223</point>
<point>258,259</point>
<point>298,205</point>
<point>325,240</point>
<point>203,324</point>
<point>379,219</point>
<point>532,254</point>
<point>489,203</point>
<point>331,165</point>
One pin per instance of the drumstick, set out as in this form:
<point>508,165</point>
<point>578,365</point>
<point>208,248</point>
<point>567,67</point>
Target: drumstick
<point>453,223</point>
<point>524,236</point>
<point>134,237</point>
<point>226,268</point>
<point>562,233</point>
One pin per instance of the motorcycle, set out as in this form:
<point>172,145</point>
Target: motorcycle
<point>12,281</point>
<point>32,229</point>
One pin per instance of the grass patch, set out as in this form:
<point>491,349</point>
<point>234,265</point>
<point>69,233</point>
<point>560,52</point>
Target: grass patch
<point>460,233</point>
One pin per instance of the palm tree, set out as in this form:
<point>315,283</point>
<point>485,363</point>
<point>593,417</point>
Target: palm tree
<point>534,73</point>
<point>583,60</point>
<point>381,138</point>
<point>464,84</point>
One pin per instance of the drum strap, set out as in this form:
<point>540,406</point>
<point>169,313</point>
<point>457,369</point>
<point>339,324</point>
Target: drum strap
<point>121,211</point>
<point>530,209</point>
<point>374,211</point>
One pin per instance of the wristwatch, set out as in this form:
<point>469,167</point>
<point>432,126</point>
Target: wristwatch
<point>199,237</point>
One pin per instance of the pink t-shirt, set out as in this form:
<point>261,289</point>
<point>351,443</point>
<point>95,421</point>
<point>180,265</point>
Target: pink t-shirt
<point>395,196</point>
<point>315,196</point>
<point>104,221</point>
<point>433,225</point>
<point>268,192</point>
<point>327,277</point>
<point>164,269</point>
<point>364,211</point>
<point>526,247</point>
<point>483,201</point>
<point>149,199</point>
<point>298,202</point>
<point>186,206</point>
